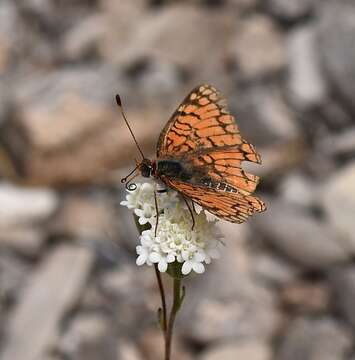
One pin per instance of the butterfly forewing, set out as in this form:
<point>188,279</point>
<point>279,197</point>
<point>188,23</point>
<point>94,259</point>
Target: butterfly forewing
<point>202,121</point>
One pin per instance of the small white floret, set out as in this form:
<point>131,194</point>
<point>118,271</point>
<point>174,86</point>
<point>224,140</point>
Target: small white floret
<point>175,239</point>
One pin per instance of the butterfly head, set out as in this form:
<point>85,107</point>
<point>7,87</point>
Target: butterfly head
<point>147,167</point>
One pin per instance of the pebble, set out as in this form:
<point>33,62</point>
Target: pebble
<point>21,206</point>
<point>301,237</point>
<point>241,308</point>
<point>51,292</point>
<point>290,11</point>
<point>336,45</point>
<point>258,47</point>
<point>238,350</point>
<point>89,336</point>
<point>342,281</point>
<point>26,240</point>
<point>316,339</point>
<point>338,199</point>
<point>298,189</point>
<point>306,82</point>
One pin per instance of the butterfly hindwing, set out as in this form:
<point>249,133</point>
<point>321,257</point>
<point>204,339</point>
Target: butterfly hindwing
<point>230,206</point>
<point>225,165</point>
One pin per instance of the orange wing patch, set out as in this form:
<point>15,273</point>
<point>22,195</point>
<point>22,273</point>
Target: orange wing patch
<point>202,121</point>
<point>225,165</point>
<point>233,207</point>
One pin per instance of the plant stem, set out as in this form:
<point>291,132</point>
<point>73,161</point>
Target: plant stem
<point>163,301</point>
<point>174,310</point>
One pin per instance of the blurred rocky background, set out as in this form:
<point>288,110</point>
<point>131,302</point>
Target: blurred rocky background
<point>69,286</point>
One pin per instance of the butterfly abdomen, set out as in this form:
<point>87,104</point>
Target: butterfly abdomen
<point>173,169</point>
<point>221,186</point>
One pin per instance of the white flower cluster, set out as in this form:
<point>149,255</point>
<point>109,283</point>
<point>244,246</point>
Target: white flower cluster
<point>175,240</point>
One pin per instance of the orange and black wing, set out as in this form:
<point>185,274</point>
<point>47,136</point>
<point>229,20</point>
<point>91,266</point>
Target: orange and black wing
<point>229,206</point>
<point>204,134</point>
<point>202,121</point>
<point>224,166</point>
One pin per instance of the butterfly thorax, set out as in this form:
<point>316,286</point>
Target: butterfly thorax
<point>173,169</point>
<point>165,168</point>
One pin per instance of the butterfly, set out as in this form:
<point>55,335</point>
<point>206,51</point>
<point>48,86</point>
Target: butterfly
<point>199,154</point>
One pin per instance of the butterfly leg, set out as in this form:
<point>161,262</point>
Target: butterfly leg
<point>191,212</point>
<point>157,213</point>
<point>193,207</point>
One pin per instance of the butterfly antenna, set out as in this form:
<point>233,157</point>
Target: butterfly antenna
<point>128,181</point>
<point>125,179</point>
<point>119,103</point>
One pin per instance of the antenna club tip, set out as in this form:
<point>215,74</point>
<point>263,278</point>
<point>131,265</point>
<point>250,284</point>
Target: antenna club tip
<point>118,100</point>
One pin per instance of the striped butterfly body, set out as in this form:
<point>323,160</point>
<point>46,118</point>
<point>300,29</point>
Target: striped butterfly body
<point>199,154</point>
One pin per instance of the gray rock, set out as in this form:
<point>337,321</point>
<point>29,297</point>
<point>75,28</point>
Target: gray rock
<point>339,144</point>
<point>334,114</point>
<point>290,10</point>
<point>127,281</point>
<point>5,102</point>
<point>343,283</point>
<point>338,199</point>
<point>8,35</point>
<point>306,81</point>
<point>8,16</point>
<point>258,47</point>
<point>336,45</point>
<point>19,205</point>
<point>152,40</point>
<point>89,337</point>
<point>272,121</point>
<point>306,297</point>
<point>298,190</point>
<point>301,237</point>
<point>227,302</point>
<point>129,294</point>
<point>40,8</point>
<point>272,270</point>
<point>13,276</point>
<point>24,239</point>
<point>85,218</point>
<point>42,44</point>
<point>52,291</point>
<point>242,5</point>
<point>238,350</point>
<point>82,41</point>
<point>128,351</point>
<point>319,339</point>
<point>279,159</point>
<point>72,127</point>
<point>46,90</point>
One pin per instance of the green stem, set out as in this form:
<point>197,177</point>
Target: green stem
<point>174,310</point>
<point>163,321</point>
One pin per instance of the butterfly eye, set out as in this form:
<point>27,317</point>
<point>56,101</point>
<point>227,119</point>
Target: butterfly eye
<point>146,170</point>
